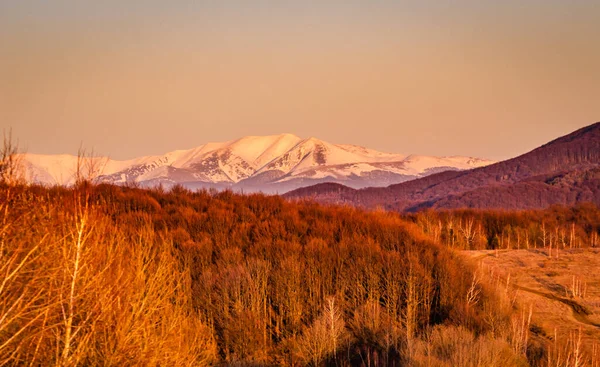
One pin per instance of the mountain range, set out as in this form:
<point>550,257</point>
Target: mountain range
<point>565,171</point>
<point>271,164</point>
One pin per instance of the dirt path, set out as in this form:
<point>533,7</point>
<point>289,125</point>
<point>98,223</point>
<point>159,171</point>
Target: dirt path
<point>490,253</point>
<point>580,313</point>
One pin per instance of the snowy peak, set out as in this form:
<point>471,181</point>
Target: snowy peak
<point>237,159</point>
<point>259,150</point>
<point>313,153</point>
<point>274,163</point>
<point>308,152</point>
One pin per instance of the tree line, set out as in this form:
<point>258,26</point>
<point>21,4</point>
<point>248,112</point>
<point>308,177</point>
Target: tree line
<point>557,227</point>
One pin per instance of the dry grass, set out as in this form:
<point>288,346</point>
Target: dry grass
<point>563,291</point>
<point>453,346</point>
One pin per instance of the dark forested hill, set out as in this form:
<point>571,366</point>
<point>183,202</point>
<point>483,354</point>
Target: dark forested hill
<point>564,171</point>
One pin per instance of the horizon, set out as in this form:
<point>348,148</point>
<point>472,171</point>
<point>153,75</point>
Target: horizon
<point>407,154</point>
<point>25,150</point>
<point>92,149</point>
<point>100,155</point>
<point>471,78</point>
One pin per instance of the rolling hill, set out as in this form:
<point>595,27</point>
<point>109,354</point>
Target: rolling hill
<point>564,171</point>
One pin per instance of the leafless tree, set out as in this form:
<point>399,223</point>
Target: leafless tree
<point>474,289</point>
<point>89,166</point>
<point>468,230</point>
<point>323,338</point>
<point>11,162</point>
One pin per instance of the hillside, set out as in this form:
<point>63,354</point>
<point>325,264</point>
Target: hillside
<point>564,171</point>
<point>271,164</point>
<point>562,292</point>
<point>109,275</point>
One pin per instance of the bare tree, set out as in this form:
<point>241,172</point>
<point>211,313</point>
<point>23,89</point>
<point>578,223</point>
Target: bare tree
<point>578,287</point>
<point>335,324</point>
<point>414,300</point>
<point>468,231</point>
<point>324,336</point>
<point>474,290</point>
<point>89,166</point>
<point>450,227</point>
<point>11,165</point>
<point>520,331</point>
<point>544,234</point>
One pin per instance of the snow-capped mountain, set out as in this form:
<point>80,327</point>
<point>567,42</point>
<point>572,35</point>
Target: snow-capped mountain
<point>275,163</point>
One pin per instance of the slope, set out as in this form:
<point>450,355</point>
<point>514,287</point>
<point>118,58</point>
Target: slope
<point>563,171</point>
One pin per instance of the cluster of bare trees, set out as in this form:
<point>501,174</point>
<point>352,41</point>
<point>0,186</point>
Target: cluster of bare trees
<point>77,290</point>
<point>578,288</point>
<point>100,274</point>
<point>121,276</point>
<point>13,171</point>
<point>570,352</point>
<point>554,229</point>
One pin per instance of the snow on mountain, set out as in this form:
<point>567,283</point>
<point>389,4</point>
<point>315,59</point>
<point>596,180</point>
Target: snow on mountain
<point>312,153</point>
<point>50,169</point>
<point>274,163</point>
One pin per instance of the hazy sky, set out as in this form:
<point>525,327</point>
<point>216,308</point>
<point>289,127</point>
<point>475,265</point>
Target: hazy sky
<point>128,78</point>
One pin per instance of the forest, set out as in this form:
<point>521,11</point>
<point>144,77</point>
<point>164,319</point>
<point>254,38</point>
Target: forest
<point>557,228</point>
<point>111,275</point>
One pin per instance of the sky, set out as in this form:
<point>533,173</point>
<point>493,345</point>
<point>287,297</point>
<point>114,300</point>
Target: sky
<point>491,79</point>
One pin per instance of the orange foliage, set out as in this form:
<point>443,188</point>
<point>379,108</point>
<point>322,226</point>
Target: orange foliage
<point>261,275</point>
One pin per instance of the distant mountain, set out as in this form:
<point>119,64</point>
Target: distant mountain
<point>565,171</point>
<point>270,164</point>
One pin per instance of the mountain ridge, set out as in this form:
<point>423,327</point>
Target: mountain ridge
<point>272,164</point>
<point>577,153</point>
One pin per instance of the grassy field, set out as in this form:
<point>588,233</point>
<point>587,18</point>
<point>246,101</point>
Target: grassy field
<point>562,290</point>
